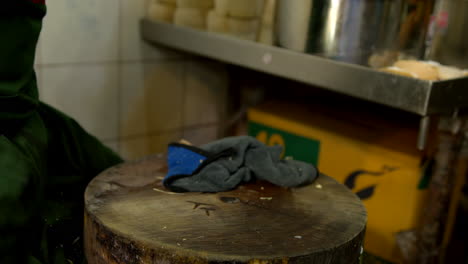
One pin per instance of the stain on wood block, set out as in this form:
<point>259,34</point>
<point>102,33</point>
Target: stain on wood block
<point>131,218</point>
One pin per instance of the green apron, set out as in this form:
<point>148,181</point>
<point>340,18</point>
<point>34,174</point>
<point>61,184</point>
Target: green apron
<point>46,158</point>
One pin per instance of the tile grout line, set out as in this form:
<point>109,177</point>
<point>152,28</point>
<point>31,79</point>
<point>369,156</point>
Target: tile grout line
<point>184,95</point>
<point>119,72</point>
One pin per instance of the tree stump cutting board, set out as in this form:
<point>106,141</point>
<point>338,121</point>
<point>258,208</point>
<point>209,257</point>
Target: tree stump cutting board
<point>131,218</point>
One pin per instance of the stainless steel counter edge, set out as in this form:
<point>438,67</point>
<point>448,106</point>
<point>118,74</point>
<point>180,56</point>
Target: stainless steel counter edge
<point>412,95</point>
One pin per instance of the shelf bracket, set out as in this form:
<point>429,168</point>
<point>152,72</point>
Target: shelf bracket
<point>424,127</point>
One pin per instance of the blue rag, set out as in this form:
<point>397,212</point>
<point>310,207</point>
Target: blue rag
<point>224,164</point>
<point>183,160</point>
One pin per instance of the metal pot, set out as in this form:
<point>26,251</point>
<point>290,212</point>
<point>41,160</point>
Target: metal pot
<point>354,30</point>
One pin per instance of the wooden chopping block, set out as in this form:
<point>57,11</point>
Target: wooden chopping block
<point>131,218</point>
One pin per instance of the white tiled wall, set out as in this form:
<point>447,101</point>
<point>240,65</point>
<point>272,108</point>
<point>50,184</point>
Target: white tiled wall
<point>201,135</point>
<point>133,49</point>
<point>152,97</point>
<point>92,64</point>
<point>81,31</point>
<point>204,98</point>
<point>88,93</point>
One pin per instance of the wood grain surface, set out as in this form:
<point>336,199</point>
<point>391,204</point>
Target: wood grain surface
<point>131,218</point>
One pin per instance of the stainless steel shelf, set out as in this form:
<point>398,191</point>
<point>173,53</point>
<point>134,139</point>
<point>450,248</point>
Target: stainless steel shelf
<point>412,95</point>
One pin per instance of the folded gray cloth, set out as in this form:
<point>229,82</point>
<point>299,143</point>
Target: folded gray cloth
<point>224,164</point>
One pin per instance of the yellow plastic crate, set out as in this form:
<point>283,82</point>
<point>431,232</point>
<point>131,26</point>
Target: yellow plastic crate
<point>376,159</point>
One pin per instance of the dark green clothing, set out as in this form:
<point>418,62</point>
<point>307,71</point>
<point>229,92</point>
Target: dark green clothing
<point>46,158</point>
<point>20,25</point>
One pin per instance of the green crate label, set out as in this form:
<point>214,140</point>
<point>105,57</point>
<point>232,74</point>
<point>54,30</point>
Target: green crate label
<point>297,147</point>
